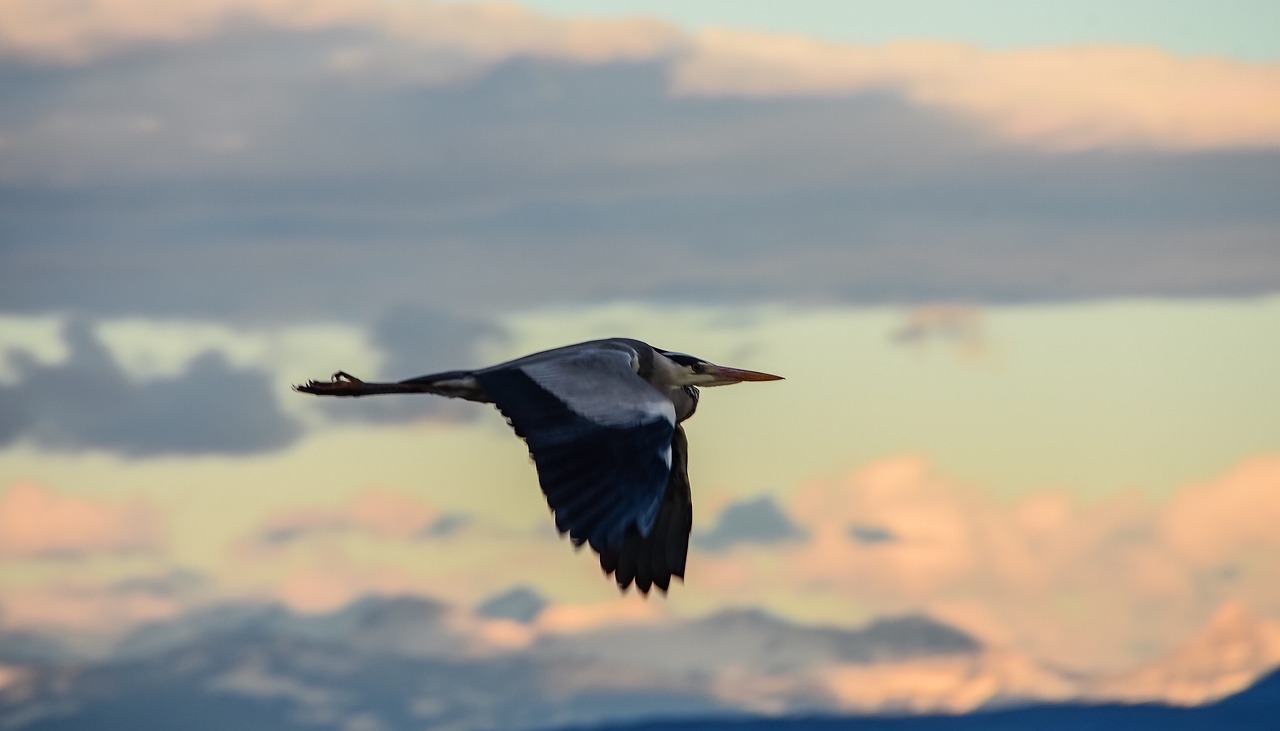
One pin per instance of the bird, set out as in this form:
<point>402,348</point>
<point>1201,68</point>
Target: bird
<point>603,423</point>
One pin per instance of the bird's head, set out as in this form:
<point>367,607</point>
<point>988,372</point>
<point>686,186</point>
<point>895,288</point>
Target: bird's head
<point>694,371</point>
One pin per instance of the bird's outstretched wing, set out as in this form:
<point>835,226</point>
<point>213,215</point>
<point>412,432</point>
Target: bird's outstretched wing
<point>600,436</point>
<point>653,559</point>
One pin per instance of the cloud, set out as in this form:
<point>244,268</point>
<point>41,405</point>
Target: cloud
<point>1220,523</point>
<point>447,525</point>
<point>944,685</point>
<point>487,31</point>
<point>403,342</point>
<point>255,680</point>
<point>752,522</point>
<point>415,341</point>
<point>419,340</point>
<point>1085,583</point>
<point>951,324</point>
<point>378,513</point>
<point>327,588</point>
<point>520,604</point>
<point>172,583</point>
<point>600,161</point>
<point>1061,98</point>
<point>1226,657</point>
<point>36,522</point>
<point>81,607</point>
<point>577,618</point>
<point>88,402</point>
<point>870,534</point>
<point>929,519</point>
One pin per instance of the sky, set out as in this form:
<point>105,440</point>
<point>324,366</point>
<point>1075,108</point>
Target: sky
<point>1021,273</point>
<point>1237,29</point>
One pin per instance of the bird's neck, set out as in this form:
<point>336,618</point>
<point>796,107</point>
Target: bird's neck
<point>685,399</point>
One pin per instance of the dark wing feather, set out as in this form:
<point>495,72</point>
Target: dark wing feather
<point>599,436</point>
<point>651,560</point>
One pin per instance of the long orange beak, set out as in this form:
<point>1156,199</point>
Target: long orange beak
<point>737,375</point>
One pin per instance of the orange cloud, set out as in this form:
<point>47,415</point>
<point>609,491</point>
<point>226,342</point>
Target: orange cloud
<point>83,608</point>
<point>35,521</point>
<point>493,31</point>
<point>327,588</point>
<point>931,523</point>
<point>1095,584</point>
<point>377,512</point>
<point>320,590</point>
<point>1233,518</point>
<point>1229,655</point>
<point>942,685</point>
<point>1062,98</point>
<point>569,618</point>
<point>388,514</point>
<point>941,536</point>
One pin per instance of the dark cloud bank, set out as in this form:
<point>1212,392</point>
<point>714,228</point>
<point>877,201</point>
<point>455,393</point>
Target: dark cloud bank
<point>240,176</point>
<point>88,402</point>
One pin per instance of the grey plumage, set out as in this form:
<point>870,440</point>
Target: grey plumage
<point>602,421</point>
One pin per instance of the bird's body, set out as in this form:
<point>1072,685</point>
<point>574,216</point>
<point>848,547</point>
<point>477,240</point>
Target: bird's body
<point>602,423</point>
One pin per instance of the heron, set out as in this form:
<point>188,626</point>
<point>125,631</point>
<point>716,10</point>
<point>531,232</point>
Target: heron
<point>603,424</point>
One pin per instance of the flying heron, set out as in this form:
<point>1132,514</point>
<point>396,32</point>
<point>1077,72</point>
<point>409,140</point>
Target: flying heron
<point>602,421</point>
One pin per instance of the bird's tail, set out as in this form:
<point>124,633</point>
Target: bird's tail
<point>454,384</point>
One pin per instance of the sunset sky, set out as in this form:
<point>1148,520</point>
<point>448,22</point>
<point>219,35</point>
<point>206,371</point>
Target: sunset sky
<point>1021,270</point>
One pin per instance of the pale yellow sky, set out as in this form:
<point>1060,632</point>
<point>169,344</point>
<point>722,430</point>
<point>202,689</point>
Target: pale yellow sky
<point>1092,398</point>
<point>1098,404</point>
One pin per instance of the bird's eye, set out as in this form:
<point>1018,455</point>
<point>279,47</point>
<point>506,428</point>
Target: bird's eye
<point>698,368</point>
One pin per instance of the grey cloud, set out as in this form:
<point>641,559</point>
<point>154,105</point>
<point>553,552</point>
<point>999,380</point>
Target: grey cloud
<point>447,525</point>
<point>307,526</point>
<point>520,604</point>
<point>753,522</point>
<point>287,534</point>
<point>420,340</point>
<point>871,535</point>
<point>176,582</point>
<point>416,341</point>
<point>88,402</point>
<point>18,647</point>
<point>237,176</point>
<point>327,525</point>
